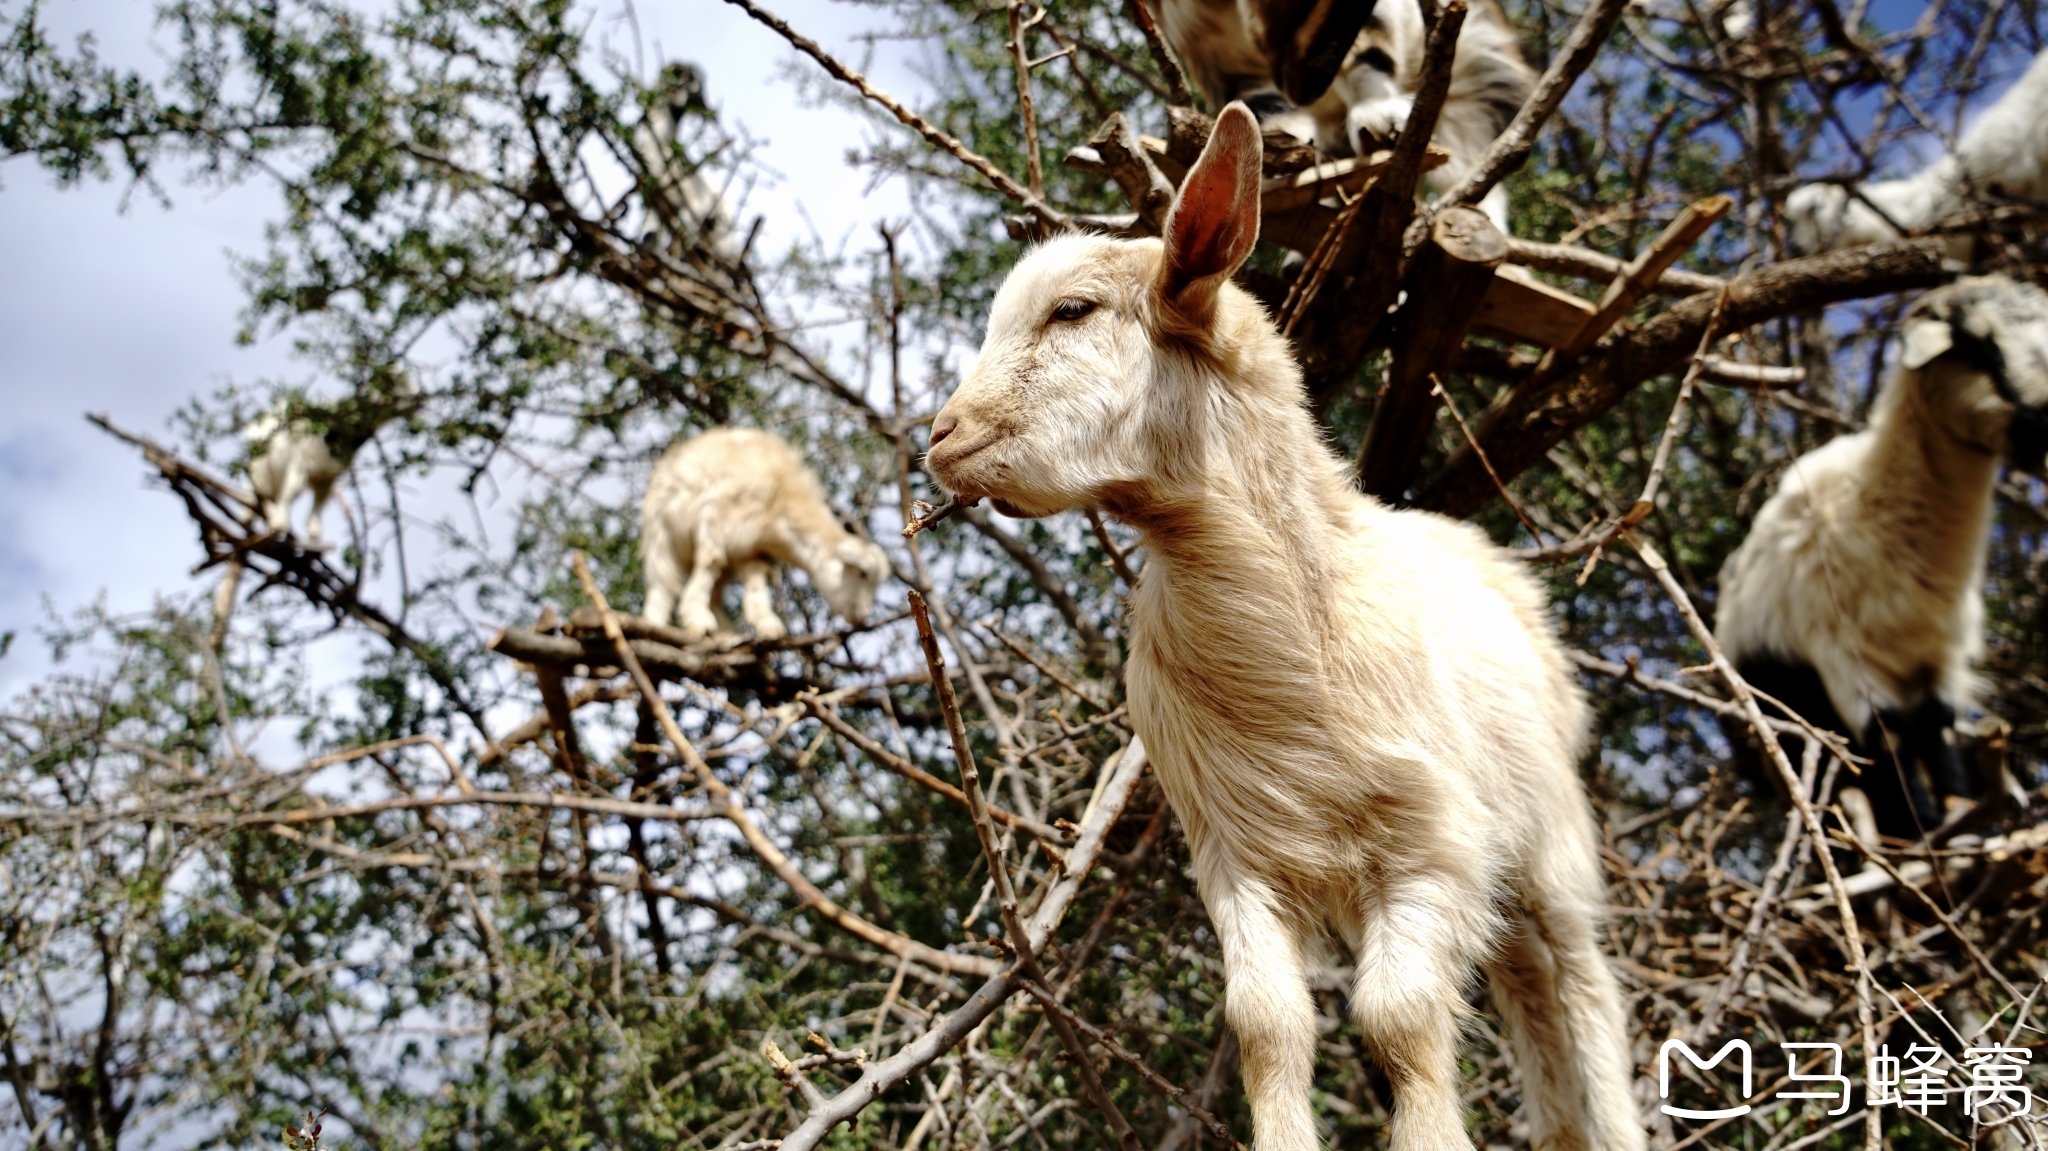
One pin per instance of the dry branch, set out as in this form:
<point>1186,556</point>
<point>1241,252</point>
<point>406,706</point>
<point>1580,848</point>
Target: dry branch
<point>230,532</point>
<point>1023,945</point>
<point>933,135</point>
<point>1586,264</point>
<point>1055,1009</point>
<point>1448,279</point>
<point>1050,836</point>
<point>1375,256</point>
<point>919,1054</point>
<point>727,803</point>
<point>1524,431</point>
<point>1512,147</point>
<point>1531,312</point>
<point>1634,280</point>
<point>1117,152</point>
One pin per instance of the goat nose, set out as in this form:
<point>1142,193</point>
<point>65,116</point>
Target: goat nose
<point>943,426</point>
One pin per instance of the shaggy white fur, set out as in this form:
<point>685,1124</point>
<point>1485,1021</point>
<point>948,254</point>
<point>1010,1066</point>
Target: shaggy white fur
<point>724,506</point>
<point>286,460</point>
<point>1368,104</point>
<point>2004,154</point>
<point>1867,564</point>
<point>1361,716</point>
<point>288,457</point>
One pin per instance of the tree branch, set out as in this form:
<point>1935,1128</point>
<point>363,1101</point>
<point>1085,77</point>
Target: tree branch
<point>1521,434</point>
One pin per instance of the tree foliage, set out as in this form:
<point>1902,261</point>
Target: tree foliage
<point>230,899</point>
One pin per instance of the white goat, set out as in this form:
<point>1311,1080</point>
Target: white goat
<point>1362,716</point>
<point>1858,598</point>
<point>288,457</point>
<point>2003,154</point>
<point>1368,103</point>
<point>682,204</point>
<point>725,505</point>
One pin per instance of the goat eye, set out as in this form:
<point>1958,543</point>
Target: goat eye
<point>1069,310</point>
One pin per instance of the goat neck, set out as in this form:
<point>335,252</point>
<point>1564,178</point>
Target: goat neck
<point>1927,482</point>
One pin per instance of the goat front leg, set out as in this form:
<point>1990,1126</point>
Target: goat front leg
<point>757,604</point>
<point>1419,940</point>
<point>707,565</point>
<point>1268,1004</point>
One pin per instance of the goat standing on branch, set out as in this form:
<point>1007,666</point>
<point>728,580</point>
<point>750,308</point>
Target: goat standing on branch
<point>1366,103</point>
<point>2004,154</point>
<point>726,505</point>
<point>1362,716</point>
<point>290,456</point>
<point>682,207</point>
<point>1858,598</point>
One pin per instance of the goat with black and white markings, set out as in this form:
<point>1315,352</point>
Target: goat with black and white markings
<point>1858,597</point>
<point>1367,103</point>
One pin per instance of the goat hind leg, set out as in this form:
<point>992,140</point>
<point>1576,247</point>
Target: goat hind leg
<point>707,567</point>
<point>1415,953</point>
<point>1267,1003</point>
<point>1524,977</point>
<point>1585,1024</point>
<point>757,605</point>
<point>315,527</point>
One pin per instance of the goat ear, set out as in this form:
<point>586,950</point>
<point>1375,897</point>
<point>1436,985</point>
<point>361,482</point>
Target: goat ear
<point>1926,338</point>
<point>1215,217</point>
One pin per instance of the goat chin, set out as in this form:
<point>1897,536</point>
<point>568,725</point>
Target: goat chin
<point>1860,586</point>
<point>725,507</point>
<point>1362,716</point>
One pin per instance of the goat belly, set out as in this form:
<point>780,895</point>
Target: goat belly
<point>1916,764</point>
<point>1912,748</point>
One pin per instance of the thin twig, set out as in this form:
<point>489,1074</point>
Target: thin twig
<point>937,137</point>
<point>927,515</point>
<point>913,773</point>
<point>1308,283</point>
<point>1167,1087</point>
<point>1177,91</point>
<point>1512,147</point>
<point>728,801</point>
<point>1034,164</point>
<point>999,872</point>
<point>882,1076</point>
<point>1117,558</point>
<point>1852,932</point>
<point>1436,388</point>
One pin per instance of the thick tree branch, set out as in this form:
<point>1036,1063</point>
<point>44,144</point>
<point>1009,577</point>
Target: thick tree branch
<point>1519,435</point>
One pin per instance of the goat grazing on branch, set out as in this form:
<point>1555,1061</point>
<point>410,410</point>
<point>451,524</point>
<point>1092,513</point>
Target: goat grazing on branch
<point>1858,597</point>
<point>1362,716</point>
<point>724,506</point>
<point>289,456</point>
<point>1367,103</point>
<point>2003,154</point>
